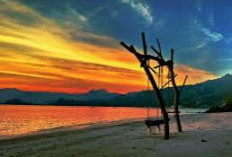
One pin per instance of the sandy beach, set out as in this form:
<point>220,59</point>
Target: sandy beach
<point>205,135</point>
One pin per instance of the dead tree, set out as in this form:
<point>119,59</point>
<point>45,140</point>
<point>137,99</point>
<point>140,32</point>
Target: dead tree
<point>176,90</point>
<point>143,59</point>
<point>172,76</point>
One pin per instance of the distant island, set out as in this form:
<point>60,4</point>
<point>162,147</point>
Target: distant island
<point>208,94</point>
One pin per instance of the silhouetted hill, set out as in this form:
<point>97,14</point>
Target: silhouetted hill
<point>209,93</point>
<point>227,107</point>
<point>8,94</point>
<point>17,101</point>
<point>205,95</point>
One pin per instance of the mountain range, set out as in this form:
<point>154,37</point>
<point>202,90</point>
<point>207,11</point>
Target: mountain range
<point>204,95</point>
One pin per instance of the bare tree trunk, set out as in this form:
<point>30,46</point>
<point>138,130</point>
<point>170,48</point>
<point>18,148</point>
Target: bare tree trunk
<point>160,101</point>
<point>143,59</point>
<point>177,93</point>
<point>176,106</point>
<point>176,101</point>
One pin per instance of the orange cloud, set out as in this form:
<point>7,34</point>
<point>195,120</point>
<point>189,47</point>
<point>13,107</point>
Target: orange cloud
<point>41,56</point>
<point>195,75</point>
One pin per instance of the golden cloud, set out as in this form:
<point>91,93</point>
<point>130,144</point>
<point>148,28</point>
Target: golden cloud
<point>37,54</point>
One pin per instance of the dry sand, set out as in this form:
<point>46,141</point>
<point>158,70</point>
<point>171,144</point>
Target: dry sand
<point>205,135</point>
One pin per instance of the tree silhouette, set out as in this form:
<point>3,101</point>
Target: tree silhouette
<point>144,60</point>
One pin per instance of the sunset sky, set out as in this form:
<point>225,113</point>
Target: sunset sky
<point>73,46</point>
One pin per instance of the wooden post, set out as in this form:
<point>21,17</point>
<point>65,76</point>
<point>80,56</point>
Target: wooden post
<point>143,61</point>
<point>176,90</point>
<point>160,102</point>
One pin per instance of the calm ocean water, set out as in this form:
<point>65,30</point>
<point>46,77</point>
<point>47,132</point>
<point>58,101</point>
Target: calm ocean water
<point>19,120</point>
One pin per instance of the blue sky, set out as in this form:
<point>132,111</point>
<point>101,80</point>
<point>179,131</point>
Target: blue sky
<point>199,30</point>
<point>73,45</point>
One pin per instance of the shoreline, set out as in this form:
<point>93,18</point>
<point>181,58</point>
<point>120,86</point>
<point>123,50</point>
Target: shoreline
<point>81,127</point>
<point>86,126</point>
<point>51,118</point>
<point>205,135</point>
<point>71,128</point>
<point>47,105</point>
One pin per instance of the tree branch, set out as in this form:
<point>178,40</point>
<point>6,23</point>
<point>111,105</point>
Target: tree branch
<point>143,57</point>
<point>185,80</point>
<point>172,54</point>
<point>159,46</point>
<point>144,44</point>
<point>152,70</point>
<point>168,82</point>
<point>156,51</point>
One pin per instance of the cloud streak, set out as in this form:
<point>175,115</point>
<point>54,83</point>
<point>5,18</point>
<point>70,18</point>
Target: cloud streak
<point>214,36</point>
<point>41,55</point>
<point>140,8</point>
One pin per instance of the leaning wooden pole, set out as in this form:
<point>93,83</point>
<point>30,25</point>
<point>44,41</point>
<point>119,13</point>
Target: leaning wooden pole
<point>143,61</point>
<point>160,102</point>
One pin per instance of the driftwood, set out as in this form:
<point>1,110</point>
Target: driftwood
<point>143,59</point>
<point>176,90</point>
<point>170,65</point>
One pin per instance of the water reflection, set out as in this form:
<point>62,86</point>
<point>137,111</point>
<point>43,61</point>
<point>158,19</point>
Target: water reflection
<point>16,120</point>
